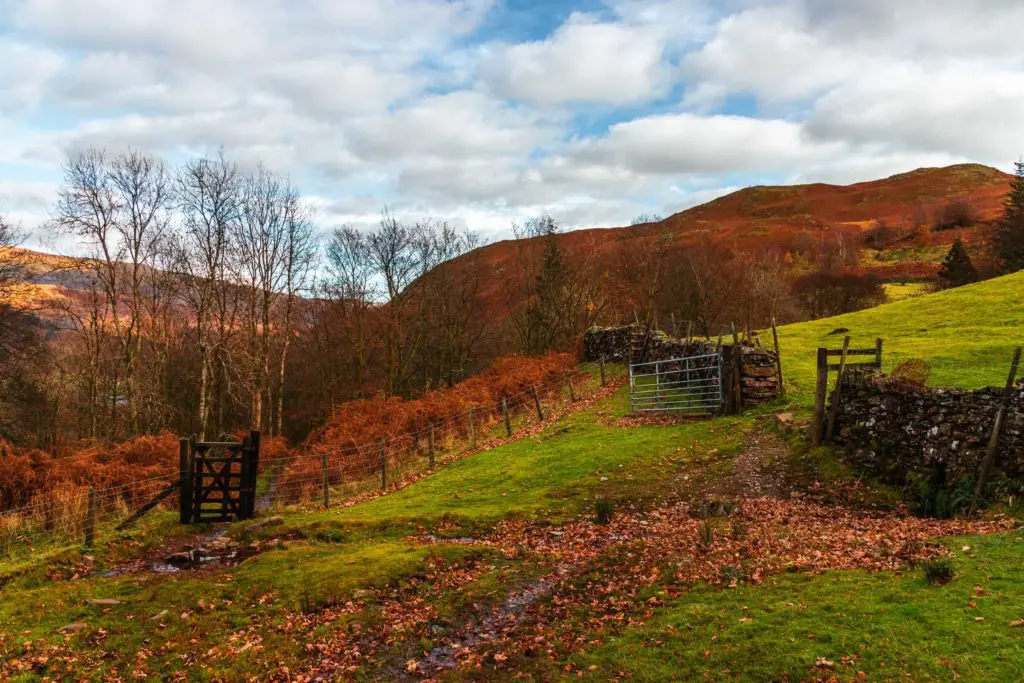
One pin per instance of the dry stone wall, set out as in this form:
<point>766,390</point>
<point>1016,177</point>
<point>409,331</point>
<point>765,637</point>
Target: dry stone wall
<point>758,383</point>
<point>615,343</point>
<point>759,380</point>
<point>892,430</point>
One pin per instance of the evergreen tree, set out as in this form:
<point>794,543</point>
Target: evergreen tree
<point>545,316</point>
<point>1008,238</point>
<point>957,269</point>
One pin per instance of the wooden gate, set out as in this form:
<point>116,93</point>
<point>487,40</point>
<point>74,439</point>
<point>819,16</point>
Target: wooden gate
<point>218,479</point>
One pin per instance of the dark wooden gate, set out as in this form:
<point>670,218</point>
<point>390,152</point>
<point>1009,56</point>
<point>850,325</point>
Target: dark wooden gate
<point>218,479</point>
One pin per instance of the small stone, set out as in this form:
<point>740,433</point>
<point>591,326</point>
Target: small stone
<point>184,558</point>
<point>73,628</point>
<point>758,371</point>
<point>784,421</point>
<point>159,616</point>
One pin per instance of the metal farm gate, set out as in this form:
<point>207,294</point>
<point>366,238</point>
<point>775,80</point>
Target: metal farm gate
<point>691,385</point>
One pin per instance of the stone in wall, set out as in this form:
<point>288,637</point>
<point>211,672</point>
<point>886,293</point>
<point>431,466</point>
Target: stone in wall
<point>894,430</point>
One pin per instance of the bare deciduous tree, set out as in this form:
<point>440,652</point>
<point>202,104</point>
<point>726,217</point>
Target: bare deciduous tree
<point>208,199</point>
<point>300,259</point>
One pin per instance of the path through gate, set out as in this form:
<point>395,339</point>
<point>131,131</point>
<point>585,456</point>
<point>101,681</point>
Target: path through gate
<point>690,385</point>
<point>218,479</point>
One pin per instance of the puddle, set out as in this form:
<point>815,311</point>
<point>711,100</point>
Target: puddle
<point>462,540</point>
<point>444,657</point>
<point>106,574</point>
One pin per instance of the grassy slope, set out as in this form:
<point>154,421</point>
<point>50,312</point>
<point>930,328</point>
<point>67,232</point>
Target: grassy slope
<point>967,334</point>
<point>556,475</point>
<point>553,475</point>
<point>893,626</point>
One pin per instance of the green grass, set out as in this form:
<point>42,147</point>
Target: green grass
<point>556,474</point>
<point>269,587</point>
<point>898,291</point>
<point>966,334</point>
<point>894,626</point>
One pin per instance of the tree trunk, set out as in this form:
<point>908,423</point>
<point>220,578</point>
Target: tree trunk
<point>280,386</point>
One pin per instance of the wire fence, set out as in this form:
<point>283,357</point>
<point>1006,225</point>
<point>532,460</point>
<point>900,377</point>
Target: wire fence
<point>907,370</point>
<point>323,476</point>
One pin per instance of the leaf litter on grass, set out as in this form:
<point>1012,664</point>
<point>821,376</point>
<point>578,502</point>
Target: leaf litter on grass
<point>601,576</point>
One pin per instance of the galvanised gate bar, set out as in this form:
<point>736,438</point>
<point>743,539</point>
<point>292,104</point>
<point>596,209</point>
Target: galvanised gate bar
<point>692,384</point>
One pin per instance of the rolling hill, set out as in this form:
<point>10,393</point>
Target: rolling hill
<point>793,217</point>
<point>755,218</point>
<point>494,563</point>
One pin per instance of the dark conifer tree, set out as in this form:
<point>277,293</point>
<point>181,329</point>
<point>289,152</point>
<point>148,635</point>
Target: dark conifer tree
<point>957,269</point>
<point>1008,238</point>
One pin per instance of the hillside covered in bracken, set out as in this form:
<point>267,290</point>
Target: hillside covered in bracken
<point>172,340</point>
<point>896,229</point>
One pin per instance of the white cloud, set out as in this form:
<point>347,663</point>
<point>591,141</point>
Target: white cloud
<point>455,126</point>
<point>438,108</point>
<point>26,73</point>
<point>584,61</point>
<point>768,52</point>
<point>969,111</point>
<point>690,143</point>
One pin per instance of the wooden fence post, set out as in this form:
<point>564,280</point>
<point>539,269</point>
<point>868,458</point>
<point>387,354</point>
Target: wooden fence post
<point>737,369</point>
<point>572,390</point>
<point>254,471</point>
<point>472,430</point>
<point>48,510</point>
<point>504,409</point>
<point>185,472</point>
<point>820,389</point>
<point>837,393</point>
<point>689,332</point>
<point>778,360</point>
<point>326,479</point>
<point>878,354</point>
<point>603,379</point>
<point>430,445</point>
<point>90,518</point>
<point>536,402</point>
<point>997,428</point>
<point>383,467</point>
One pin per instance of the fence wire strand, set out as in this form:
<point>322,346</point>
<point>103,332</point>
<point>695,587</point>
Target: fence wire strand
<point>352,471</point>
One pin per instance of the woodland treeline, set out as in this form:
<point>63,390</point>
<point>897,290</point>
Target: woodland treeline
<point>211,301</point>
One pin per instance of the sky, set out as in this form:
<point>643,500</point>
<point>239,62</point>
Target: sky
<point>484,112</point>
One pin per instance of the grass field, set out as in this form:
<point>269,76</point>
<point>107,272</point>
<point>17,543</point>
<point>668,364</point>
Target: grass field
<point>330,576</point>
<point>883,626</point>
<point>898,291</point>
<point>967,335</point>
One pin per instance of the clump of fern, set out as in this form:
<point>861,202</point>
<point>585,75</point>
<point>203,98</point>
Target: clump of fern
<point>938,571</point>
<point>603,510</point>
<point>705,535</point>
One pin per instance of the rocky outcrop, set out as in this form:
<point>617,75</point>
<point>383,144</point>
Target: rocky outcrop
<point>892,430</point>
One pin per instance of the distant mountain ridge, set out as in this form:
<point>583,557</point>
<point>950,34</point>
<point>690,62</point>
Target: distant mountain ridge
<point>782,217</point>
<point>758,217</point>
